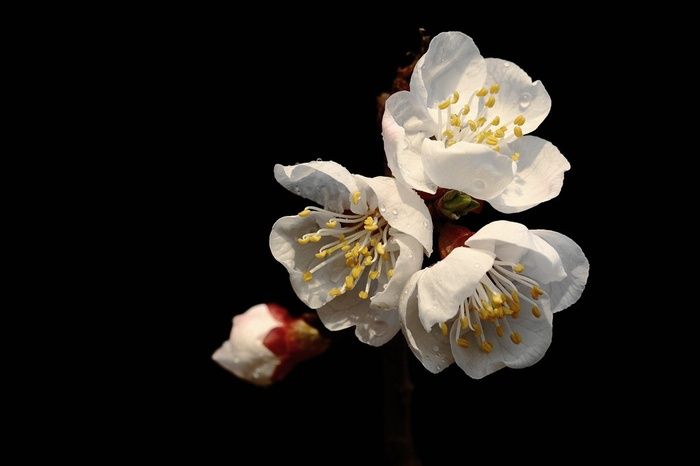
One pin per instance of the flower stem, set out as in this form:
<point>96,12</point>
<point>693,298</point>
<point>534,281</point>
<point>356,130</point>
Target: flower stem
<point>398,391</point>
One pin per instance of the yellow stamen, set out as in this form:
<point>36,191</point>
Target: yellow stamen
<point>536,292</point>
<point>444,104</point>
<point>477,330</point>
<point>451,142</point>
<point>390,273</point>
<point>515,156</point>
<point>490,102</point>
<point>482,92</point>
<point>321,254</point>
<point>303,240</point>
<point>491,141</point>
<point>345,248</point>
<point>480,121</point>
<point>455,121</point>
<point>496,121</point>
<point>518,268</point>
<point>499,331</point>
<point>357,271</point>
<point>331,223</point>
<point>363,294</point>
<point>367,261</point>
<point>464,322</point>
<point>519,120</point>
<point>349,282</point>
<point>465,110</point>
<point>356,197</point>
<point>448,134</point>
<point>481,137</point>
<point>497,148</point>
<point>380,249</point>
<point>536,312</point>
<point>455,97</point>
<point>500,132</point>
<point>304,213</point>
<point>495,88</point>
<point>497,299</point>
<point>308,276</point>
<point>443,328</point>
<point>373,275</point>
<point>472,125</point>
<point>463,342</point>
<point>518,132</point>
<point>516,338</point>
<point>335,292</point>
<point>315,238</point>
<point>371,227</point>
<point>486,347</point>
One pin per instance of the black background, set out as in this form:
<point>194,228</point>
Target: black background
<point>311,94</point>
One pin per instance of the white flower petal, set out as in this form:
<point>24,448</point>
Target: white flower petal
<point>432,349</point>
<point>409,261</point>
<point>374,327</point>
<point>472,168</point>
<point>244,353</point>
<point>452,63</point>
<point>405,125</point>
<point>513,242</point>
<point>539,177</point>
<point>536,335</point>
<point>474,362</point>
<point>445,285</point>
<point>518,95</point>
<point>402,208</point>
<point>326,183</point>
<point>298,258</point>
<point>567,291</point>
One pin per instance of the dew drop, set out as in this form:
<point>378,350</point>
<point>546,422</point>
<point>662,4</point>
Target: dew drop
<point>525,100</point>
<point>319,159</point>
<point>436,348</point>
<point>256,375</point>
<point>425,223</point>
<point>395,212</point>
<point>236,360</point>
<point>382,208</point>
<point>385,285</point>
<point>438,367</point>
<point>506,65</point>
<point>297,190</point>
<point>479,184</point>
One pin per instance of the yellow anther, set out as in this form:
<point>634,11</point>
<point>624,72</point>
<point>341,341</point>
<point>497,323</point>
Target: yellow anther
<point>356,197</point>
<point>536,292</point>
<point>443,328</point>
<point>332,223</point>
<point>472,125</point>
<point>515,156</point>
<point>373,242</point>
<point>369,221</point>
<point>335,292</point>
<point>350,262</point>
<point>315,238</point>
<point>304,213</point>
<point>499,133</point>
<point>491,141</point>
<point>481,137</point>
<point>518,132</point>
<point>497,148</point>
<point>483,314</point>
<point>371,227</point>
<point>380,249</point>
<point>390,273</point>
<point>497,298</point>
<point>448,134</point>
<point>345,248</point>
<point>463,342</point>
<point>308,276</point>
<point>495,88</point>
<point>482,92</point>
<point>321,254</point>
<point>357,271</point>
<point>341,237</point>
<point>385,256</point>
<point>496,121</point>
<point>450,142</point>
<point>516,297</point>
<point>516,338</point>
<point>455,121</point>
<point>464,322</point>
<point>477,330</point>
<point>518,268</point>
<point>500,312</point>
<point>499,331</point>
<point>455,97</point>
<point>373,275</point>
<point>303,240</point>
<point>465,110</point>
<point>519,120</point>
<point>349,282</point>
<point>490,102</point>
<point>367,261</point>
<point>363,294</point>
<point>480,121</point>
<point>365,251</point>
<point>444,104</point>
<point>486,347</point>
<point>536,312</point>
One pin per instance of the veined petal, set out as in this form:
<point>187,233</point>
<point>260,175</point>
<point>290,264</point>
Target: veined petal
<point>326,183</point>
<point>402,208</point>
<point>567,291</point>
<point>474,169</point>
<point>298,259</point>
<point>513,242</point>
<point>373,327</point>
<point>452,63</point>
<point>404,127</point>
<point>431,348</point>
<point>409,261</point>
<point>539,177</point>
<point>445,285</point>
<point>474,362</point>
<point>518,94</point>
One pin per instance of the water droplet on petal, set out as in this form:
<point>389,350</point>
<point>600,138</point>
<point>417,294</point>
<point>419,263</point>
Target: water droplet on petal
<point>438,367</point>
<point>395,212</point>
<point>297,190</point>
<point>382,208</point>
<point>525,100</point>
<point>319,159</point>
<point>236,360</point>
<point>506,65</point>
<point>385,285</point>
<point>479,184</point>
<point>425,223</point>
<point>436,348</point>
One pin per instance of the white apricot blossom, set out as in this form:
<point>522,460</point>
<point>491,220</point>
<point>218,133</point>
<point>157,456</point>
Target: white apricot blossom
<point>350,258</point>
<point>490,305</point>
<point>463,124</point>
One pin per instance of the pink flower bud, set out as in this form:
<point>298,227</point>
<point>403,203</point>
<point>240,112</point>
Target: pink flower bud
<point>266,343</point>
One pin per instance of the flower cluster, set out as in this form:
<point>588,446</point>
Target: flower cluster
<point>356,254</point>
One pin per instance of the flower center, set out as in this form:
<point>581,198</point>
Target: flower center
<point>495,300</point>
<point>457,122</point>
<point>359,240</point>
